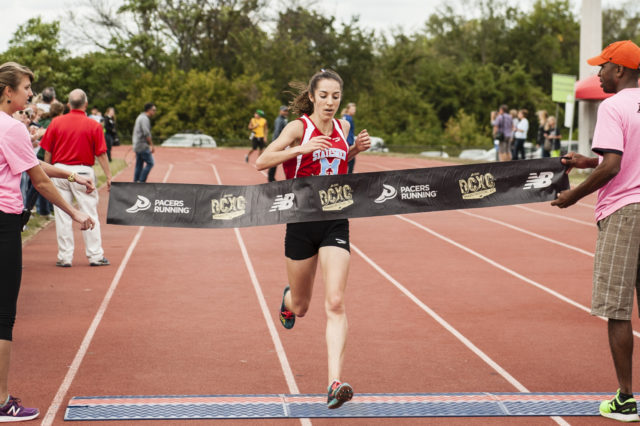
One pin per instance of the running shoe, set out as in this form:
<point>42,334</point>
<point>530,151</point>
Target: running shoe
<point>13,411</point>
<point>287,318</point>
<point>625,411</point>
<point>339,393</point>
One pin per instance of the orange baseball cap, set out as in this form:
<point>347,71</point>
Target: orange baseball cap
<point>625,53</point>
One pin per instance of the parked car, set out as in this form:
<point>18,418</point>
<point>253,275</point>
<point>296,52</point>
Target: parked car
<point>190,140</point>
<point>377,145</point>
<point>478,154</point>
<point>434,154</point>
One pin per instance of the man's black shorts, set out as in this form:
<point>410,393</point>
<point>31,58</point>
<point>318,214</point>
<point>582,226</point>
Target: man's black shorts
<point>303,240</point>
<point>257,143</point>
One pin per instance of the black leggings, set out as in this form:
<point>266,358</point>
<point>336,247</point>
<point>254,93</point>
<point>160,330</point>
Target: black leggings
<point>10,271</point>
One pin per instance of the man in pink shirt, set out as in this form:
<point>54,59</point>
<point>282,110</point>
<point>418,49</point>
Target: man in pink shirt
<point>617,178</point>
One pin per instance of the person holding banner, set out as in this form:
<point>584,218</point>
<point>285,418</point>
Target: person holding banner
<point>315,144</point>
<point>617,177</point>
<point>17,156</point>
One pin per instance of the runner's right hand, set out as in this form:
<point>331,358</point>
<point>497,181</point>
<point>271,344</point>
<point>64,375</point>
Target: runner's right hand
<point>316,143</point>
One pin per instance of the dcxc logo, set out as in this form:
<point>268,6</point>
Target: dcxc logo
<point>142,203</point>
<point>477,186</point>
<point>388,193</point>
<point>283,202</point>
<point>336,197</point>
<point>228,207</point>
<point>537,181</point>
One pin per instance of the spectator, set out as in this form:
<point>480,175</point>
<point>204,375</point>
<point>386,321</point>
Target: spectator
<point>44,206</point>
<point>110,133</point>
<point>23,117</point>
<point>512,141</point>
<point>258,127</point>
<point>502,131</point>
<point>72,142</point>
<point>552,144</point>
<point>96,115</point>
<point>542,130</point>
<point>522,127</point>
<point>47,97</point>
<point>17,156</point>
<point>348,114</point>
<point>278,125</point>
<point>143,143</point>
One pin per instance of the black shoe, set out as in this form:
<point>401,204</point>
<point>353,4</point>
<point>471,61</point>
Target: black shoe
<point>101,262</point>
<point>287,318</point>
<point>62,264</point>
<point>338,394</point>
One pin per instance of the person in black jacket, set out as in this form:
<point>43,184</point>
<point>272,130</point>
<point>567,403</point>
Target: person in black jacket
<point>110,134</point>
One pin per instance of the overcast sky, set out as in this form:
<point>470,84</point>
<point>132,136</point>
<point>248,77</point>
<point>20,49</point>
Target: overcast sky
<point>381,15</point>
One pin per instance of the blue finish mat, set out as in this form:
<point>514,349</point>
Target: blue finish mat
<point>315,406</point>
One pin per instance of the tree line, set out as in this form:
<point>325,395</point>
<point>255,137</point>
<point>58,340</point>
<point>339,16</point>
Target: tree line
<point>208,64</point>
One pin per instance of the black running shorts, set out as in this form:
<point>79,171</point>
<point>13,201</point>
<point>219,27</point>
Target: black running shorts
<point>304,239</point>
<point>257,143</point>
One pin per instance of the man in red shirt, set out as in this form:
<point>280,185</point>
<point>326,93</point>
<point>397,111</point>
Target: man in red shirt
<point>72,142</point>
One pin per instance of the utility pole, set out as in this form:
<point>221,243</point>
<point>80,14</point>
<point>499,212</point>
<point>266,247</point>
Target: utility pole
<point>590,45</point>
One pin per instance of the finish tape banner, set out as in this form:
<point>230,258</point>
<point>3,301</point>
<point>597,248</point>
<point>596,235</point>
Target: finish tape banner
<point>338,196</point>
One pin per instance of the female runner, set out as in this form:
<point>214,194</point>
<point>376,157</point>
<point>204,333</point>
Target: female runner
<point>312,145</point>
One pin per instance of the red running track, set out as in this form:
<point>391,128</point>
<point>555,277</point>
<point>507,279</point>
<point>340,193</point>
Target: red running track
<point>482,300</point>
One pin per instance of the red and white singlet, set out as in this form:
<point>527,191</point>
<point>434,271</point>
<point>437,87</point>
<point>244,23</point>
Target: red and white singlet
<point>328,161</point>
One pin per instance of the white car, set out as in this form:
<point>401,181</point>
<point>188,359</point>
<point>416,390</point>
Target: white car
<point>434,154</point>
<point>478,154</point>
<point>190,140</point>
<point>377,145</point>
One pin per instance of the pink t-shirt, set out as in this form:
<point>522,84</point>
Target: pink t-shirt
<point>16,156</point>
<point>618,130</point>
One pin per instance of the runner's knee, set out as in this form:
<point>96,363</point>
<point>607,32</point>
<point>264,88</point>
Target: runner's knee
<point>335,304</point>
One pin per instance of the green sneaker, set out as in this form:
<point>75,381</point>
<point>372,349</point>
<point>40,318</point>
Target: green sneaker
<point>625,411</point>
<point>287,318</point>
<point>339,393</point>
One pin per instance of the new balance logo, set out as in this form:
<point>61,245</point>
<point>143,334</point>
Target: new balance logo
<point>388,192</point>
<point>538,181</point>
<point>14,410</point>
<point>283,202</point>
<point>142,203</point>
<point>339,241</point>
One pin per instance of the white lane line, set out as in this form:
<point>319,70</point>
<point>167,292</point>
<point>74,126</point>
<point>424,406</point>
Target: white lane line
<point>532,234</point>
<point>473,348</point>
<point>84,346</point>
<point>559,216</point>
<point>53,409</point>
<point>505,269</point>
<point>591,206</point>
<point>282,355</point>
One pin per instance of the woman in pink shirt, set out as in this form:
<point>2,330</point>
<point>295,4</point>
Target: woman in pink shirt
<point>17,156</point>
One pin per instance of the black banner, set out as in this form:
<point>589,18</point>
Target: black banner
<point>339,196</point>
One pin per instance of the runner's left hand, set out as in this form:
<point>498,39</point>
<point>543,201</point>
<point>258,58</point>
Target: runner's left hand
<point>363,141</point>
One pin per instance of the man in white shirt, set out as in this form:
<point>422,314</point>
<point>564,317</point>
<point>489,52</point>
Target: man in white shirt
<point>520,135</point>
